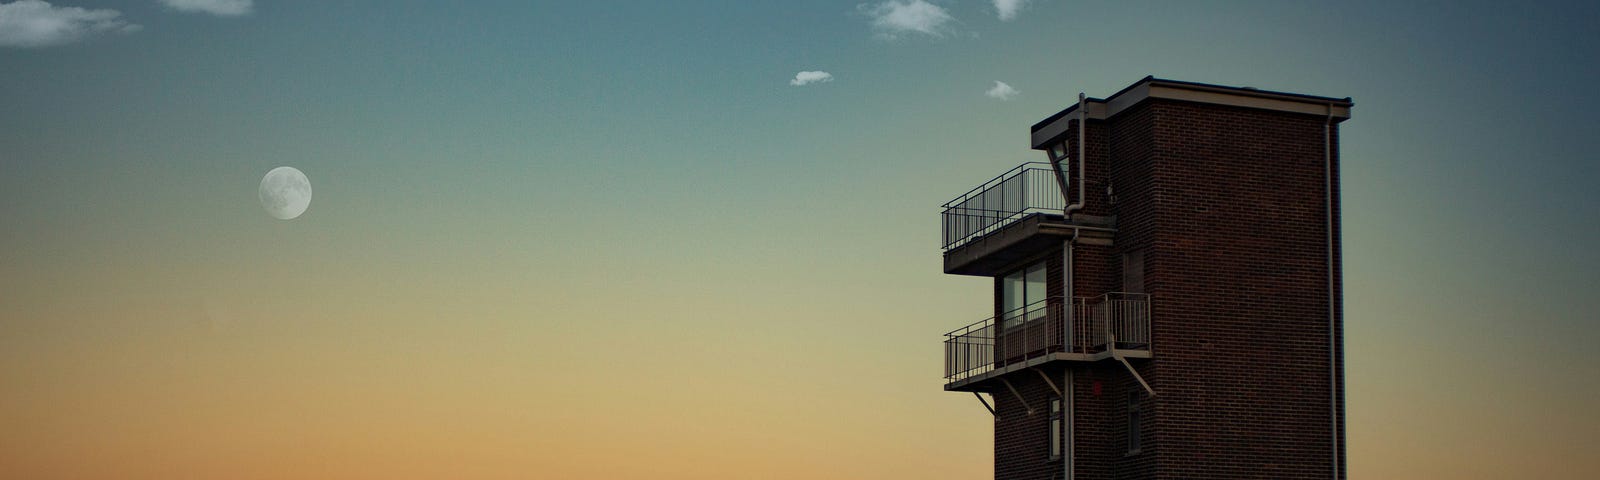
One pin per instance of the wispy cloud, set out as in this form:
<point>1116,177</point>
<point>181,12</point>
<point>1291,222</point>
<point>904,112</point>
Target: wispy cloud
<point>893,18</point>
<point>1007,9</point>
<point>809,77</point>
<point>226,8</point>
<point>36,23</point>
<point>1002,92</point>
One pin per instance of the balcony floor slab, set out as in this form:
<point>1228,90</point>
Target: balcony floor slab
<point>985,382</point>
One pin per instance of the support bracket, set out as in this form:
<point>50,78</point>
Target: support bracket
<point>985,404</point>
<point>1018,395</point>
<point>1047,381</point>
<point>1111,344</point>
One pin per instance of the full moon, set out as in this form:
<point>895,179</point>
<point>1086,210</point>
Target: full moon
<point>285,193</point>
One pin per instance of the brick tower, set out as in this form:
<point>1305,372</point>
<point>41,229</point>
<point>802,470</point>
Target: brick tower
<point>1166,289</point>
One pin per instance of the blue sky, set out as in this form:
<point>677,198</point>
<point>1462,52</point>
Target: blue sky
<point>503,186</point>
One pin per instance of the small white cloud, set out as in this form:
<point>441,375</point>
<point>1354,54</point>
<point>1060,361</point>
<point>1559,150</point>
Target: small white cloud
<point>1007,9</point>
<point>1002,92</point>
<point>36,23</point>
<point>225,8</point>
<point>810,77</point>
<point>893,18</point>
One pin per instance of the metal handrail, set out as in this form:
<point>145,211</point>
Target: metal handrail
<point>991,343</point>
<point>993,181</point>
<point>1026,189</point>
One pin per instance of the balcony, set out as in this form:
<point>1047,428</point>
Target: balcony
<point>1103,327</point>
<point>1026,190</point>
<point>1009,217</point>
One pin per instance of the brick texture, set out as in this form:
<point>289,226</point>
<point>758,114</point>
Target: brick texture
<point>1228,206</point>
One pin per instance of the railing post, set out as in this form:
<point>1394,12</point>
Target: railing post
<point>1027,336</point>
<point>1106,308</point>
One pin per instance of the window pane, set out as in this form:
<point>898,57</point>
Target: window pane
<point>1035,282</point>
<point>1055,437</point>
<point>1035,291</point>
<point>1011,299</point>
<point>1021,294</point>
<point>1055,428</point>
<point>1133,271</point>
<point>1012,293</point>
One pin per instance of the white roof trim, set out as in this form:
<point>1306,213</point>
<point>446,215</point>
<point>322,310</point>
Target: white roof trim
<point>1102,109</point>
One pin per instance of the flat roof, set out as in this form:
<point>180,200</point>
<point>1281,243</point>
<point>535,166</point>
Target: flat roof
<point>1151,87</point>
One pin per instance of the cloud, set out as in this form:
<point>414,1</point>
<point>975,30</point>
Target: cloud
<point>1002,92</point>
<point>810,77</point>
<point>893,18</point>
<point>36,23</point>
<point>1008,8</point>
<point>225,8</point>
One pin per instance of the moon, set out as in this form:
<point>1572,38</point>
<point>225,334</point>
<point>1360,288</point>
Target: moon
<point>285,193</point>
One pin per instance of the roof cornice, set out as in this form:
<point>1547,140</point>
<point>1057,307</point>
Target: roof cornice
<point>1150,87</point>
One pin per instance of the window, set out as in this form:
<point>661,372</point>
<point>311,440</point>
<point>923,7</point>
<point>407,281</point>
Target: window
<point>1134,429</point>
<point>1058,151</point>
<point>1133,271</point>
<point>1056,430</point>
<point>1022,295</point>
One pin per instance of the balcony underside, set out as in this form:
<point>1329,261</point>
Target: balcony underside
<point>989,255</point>
<point>990,381</point>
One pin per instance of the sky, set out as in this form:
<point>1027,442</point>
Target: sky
<point>700,239</point>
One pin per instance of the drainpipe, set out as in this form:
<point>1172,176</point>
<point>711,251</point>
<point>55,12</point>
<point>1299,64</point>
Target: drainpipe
<point>1066,215</point>
<point>1068,442</point>
<point>1066,265</point>
<point>1333,367</point>
<point>1083,117</point>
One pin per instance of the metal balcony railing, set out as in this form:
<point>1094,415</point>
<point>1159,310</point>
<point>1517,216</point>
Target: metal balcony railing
<point>1028,189</point>
<point>1039,329</point>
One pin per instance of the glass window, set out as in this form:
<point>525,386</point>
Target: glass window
<point>1133,271</point>
<point>1034,280</point>
<point>1012,293</point>
<point>1055,428</point>
<point>1022,295</point>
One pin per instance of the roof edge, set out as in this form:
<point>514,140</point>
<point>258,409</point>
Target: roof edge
<point>1152,87</point>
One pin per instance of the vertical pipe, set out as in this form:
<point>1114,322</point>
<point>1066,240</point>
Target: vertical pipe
<point>1068,411</point>
<point>1083,117</point>
<point>1066,284</point>
<point>1066,289</point>
<point>1066,339</point>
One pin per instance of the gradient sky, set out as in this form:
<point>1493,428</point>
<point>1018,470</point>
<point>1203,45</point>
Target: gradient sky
<point>609,239</point>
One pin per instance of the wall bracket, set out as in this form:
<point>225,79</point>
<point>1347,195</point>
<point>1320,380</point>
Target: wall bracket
<point>1111,345</point>
<point>985,404</point>
<point>1018,395</point>
<point>1047,381</point>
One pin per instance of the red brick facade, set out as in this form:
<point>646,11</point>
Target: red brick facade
<point>1229,206</point>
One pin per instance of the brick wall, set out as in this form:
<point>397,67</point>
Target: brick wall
<point>1237,271</point>
<point>1227,205</point>
<point>1021,441</point>
<point>1133,180</point>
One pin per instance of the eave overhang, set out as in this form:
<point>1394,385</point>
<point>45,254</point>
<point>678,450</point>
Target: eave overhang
<point>1053,127</point>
